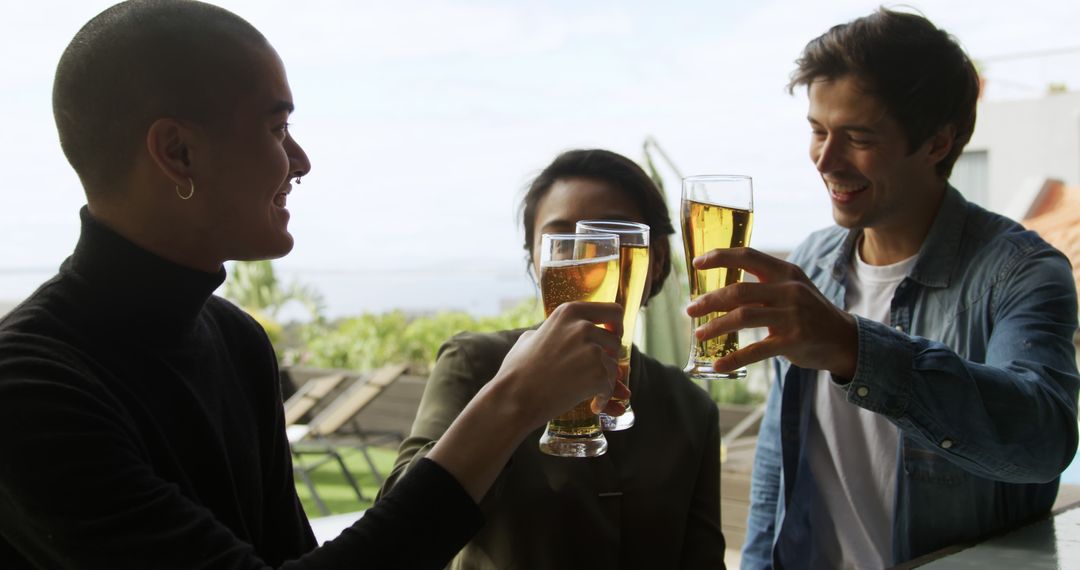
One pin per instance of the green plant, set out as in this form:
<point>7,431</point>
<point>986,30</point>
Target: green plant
<point>732,392</point>
<point>369,341</point>
<point>254,286</point>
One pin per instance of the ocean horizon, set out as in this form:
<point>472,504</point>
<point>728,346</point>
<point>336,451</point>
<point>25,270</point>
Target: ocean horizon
<point>480,290</point>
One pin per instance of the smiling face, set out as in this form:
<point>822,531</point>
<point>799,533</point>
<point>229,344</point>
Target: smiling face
<point>862,154</point>
<point>250,159</point>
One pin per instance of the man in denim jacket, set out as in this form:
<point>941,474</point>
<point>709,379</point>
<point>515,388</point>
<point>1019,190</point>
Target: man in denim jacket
<point>927,380</point>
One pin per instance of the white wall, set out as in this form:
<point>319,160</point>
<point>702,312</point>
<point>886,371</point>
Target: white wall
<point>1026,142</point>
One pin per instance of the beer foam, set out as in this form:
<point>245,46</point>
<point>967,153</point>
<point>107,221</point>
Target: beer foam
<point>572,262</point>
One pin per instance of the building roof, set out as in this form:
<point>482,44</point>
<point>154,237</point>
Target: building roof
<point>1055,215</point>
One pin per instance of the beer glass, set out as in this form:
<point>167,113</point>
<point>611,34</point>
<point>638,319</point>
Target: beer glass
<point>577,267</point>
<point>717,213</point>
<point>633,275</point>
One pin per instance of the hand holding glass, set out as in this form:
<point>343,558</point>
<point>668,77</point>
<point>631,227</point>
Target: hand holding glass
<point>717,213</point>
<point>577,267</point>
<point>633,275</point>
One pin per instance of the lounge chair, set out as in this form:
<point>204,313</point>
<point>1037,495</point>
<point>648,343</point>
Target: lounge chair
<point>314,437</point>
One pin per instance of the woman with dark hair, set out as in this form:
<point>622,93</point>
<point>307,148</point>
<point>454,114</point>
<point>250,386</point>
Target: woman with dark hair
<point>653,500</point>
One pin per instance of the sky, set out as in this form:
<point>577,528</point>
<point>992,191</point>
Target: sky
<point>425,119</point>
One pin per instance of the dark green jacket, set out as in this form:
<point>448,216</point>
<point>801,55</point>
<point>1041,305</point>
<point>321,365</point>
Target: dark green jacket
<point>652,501</point>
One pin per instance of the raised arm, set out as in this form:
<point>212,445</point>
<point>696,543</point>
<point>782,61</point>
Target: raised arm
<point>567,360</point>
<point>81,492</point>
<point>1011,418</point>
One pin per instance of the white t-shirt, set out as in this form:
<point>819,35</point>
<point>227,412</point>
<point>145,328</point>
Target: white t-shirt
<point>853,452</point>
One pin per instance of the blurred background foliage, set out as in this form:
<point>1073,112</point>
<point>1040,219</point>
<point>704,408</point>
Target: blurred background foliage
<point>368,341</point>
<point>362,342</point>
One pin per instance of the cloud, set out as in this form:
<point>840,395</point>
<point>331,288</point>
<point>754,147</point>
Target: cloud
<point>385,32</point>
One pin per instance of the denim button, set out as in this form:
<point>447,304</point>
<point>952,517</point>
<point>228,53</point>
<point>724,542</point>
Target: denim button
<point>862,391</point>
<point>946,444</point>
<point>899,328</point>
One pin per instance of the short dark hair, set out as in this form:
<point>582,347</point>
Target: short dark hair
<point>918,71</point>
<point>139,61</point>
<point>622,174</point>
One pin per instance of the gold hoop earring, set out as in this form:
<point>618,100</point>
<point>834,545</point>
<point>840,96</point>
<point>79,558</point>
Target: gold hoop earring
<point>189,194</point>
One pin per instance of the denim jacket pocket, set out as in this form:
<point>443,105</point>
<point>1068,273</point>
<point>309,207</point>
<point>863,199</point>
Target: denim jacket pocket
<point>921,464</point>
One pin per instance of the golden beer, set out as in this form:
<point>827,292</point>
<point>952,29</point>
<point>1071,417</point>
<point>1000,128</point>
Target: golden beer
<point>633,273</point>
<point>563,281</point>
<point>707,227</point>
<point>633,270</point>
<point>595,280</point>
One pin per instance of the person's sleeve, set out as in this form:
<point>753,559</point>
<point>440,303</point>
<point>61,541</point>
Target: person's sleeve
<point>703,545</point>
<point>1012,418</point>
<point>451,385</point>
<point>764,487</point>
<point>421,523</point>
<point>76,491</point>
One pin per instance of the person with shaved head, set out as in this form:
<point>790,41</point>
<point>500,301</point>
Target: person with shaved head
<point>142,416</point>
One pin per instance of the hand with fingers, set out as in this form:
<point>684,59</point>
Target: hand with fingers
<point>569,359</point>
<point>803,325</point>
<point>548,371</point>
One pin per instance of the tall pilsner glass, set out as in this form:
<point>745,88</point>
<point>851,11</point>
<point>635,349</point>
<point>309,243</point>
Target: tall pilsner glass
<point>717,213</point>
<point>633,273</point>
<point>577,267</point>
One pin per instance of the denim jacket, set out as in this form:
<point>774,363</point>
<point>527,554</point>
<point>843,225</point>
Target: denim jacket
<point>978,372</point>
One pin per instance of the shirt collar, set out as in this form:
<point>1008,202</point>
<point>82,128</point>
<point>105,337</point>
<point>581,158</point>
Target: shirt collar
<point>129,284</point>
<point>937,255</point>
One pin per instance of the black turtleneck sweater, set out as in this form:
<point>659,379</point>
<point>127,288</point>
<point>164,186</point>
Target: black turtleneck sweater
<point>141,427</point>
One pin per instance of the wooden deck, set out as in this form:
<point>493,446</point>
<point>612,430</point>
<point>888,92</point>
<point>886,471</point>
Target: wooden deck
<point>737,462</point>
<point>735,490</point>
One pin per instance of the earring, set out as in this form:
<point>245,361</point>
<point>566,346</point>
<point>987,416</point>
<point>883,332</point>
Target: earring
<point>189,194</point>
